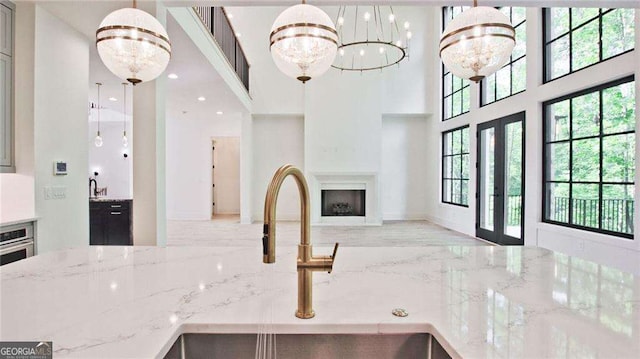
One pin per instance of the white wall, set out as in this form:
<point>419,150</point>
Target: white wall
<point>61,78</point>
<point>277,140</point>
<point>115,170</point>
<point>189,163</point>
<point>17,196</point>
<point>610,250</point>
<point>226,175</point>
<point>404,174</point>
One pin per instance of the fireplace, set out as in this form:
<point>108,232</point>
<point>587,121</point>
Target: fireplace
<point>343,202</point>
<point>354,195</point>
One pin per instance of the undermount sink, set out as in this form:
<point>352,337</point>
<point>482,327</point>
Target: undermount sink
<point>312,346</point>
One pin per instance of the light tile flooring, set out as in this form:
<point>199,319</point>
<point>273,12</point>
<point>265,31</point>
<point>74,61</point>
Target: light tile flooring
<point>227,231</point>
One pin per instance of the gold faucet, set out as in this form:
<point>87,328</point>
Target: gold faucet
<point>307,263</point>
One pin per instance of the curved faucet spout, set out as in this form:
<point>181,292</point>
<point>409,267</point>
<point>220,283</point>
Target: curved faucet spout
<point>307,263</point>
<point>270,201</point>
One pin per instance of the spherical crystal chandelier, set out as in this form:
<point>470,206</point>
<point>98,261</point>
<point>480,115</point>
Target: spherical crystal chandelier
<point>303,42</point>
<point>133,45</point>
<point>477,43</point>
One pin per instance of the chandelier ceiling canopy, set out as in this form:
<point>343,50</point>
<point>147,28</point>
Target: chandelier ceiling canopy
<point>477,43</point>
<point>370,38</point>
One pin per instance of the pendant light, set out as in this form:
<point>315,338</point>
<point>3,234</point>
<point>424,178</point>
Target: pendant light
<point>477,42</point>
<point>133,45</point>
<point>303,42</point>
<point>98,140</point>
<point>125,141</point>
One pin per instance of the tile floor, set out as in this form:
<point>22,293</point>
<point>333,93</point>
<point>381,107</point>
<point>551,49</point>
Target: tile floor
<point>227,231</point>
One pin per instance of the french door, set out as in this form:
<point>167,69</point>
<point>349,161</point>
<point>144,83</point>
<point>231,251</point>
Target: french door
<point>500,187</point>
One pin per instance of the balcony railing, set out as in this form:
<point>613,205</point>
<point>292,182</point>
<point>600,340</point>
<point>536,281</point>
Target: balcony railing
<point>216,21</point>
<point>617,214</point>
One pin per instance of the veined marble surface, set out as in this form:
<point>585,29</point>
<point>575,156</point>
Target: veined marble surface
<point>133,302</point>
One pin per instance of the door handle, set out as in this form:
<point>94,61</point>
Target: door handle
<point>116,213</point>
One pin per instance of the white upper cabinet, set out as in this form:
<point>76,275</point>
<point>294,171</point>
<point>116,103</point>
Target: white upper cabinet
<point>6,30</point>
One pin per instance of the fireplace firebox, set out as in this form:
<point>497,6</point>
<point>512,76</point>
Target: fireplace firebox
<point>343,202</point>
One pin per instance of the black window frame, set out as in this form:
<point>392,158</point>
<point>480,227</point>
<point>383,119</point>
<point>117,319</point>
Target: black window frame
<point>546,54</point>
<point>461,154</point>
<point>466,84</point>
<point>483,84</point>
<point>545,168</point>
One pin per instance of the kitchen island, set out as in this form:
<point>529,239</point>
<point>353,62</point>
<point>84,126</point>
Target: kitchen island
<point>134,302</point>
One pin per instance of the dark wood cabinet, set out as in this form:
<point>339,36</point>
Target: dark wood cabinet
<point>110,223</point>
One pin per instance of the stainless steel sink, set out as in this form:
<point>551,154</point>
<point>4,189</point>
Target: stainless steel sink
<point>312,346</point>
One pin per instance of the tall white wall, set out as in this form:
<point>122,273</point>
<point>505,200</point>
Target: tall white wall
<point>343,124</point>
<point>61,78</point>
<point>189,163</point>
<point>611,250</point>
<point>17,196</point>
<point>226,175</point>
<point>277,140</point>
<point>115,170</point>
<point>404,175</point>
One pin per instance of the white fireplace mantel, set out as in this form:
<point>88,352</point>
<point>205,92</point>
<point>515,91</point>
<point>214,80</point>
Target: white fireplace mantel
<point>345,180</point>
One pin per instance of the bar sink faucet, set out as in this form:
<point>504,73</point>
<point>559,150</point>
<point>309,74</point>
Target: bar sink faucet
<point>307,262</point>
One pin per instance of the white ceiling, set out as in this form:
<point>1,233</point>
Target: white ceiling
<point>196,75</point>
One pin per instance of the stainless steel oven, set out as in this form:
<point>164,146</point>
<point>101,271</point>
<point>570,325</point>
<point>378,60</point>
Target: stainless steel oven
<point>16,242</point>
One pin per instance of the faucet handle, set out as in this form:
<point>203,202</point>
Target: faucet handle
<point>333,256</point>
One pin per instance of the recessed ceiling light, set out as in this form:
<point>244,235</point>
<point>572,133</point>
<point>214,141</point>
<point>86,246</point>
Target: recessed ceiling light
<point>173,76</point>
<point>238,34</point>
<point>201,98</point>
<point>113,99</point>
<point>219,113</point>
<point>230,15</point>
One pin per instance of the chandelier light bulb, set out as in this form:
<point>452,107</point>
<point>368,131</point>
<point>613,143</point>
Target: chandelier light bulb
<point>361,52</point>
<point>303,42</point>
<point>392,18</point>
<point>381,50</point>
<point>341,51</point>
<point>98,141</point>
<point>406,25</point>
<point>125,141</point>
<point>409,35</point>
<point>367,16</point>
<point>340,21</point>
<point>477,43</point>
<point>399,43</point>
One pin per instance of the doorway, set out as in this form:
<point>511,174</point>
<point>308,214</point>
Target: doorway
<point>500,187</point>
<point>225,176</point>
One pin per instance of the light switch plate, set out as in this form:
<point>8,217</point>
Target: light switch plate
<point>55,192</point>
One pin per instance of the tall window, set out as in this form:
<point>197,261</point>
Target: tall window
<point>455,166</point>
<point>577,38</point>
<point>589,157</point>
<point>512,78</point>
<point>455,91</point>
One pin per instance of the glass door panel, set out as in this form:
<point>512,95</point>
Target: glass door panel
<point>487,180</point>
<point>513,179</point>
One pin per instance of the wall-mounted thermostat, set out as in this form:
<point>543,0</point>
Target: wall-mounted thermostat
<point>59,168</point>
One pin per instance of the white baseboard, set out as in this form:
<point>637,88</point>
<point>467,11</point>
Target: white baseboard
<point>404,216</point>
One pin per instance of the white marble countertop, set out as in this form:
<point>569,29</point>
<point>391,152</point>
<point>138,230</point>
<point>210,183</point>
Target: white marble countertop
<point>18,221</point>
<point>133,302</point>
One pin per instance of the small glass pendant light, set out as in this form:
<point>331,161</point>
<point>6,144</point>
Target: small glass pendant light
<point>98,141</point>
<point>125,141</point>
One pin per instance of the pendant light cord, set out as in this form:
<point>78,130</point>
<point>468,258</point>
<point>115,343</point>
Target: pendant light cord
<point>124,111</point>
<point>99,84</point>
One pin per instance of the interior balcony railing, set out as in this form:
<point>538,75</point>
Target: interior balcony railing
<point>217,22</point>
